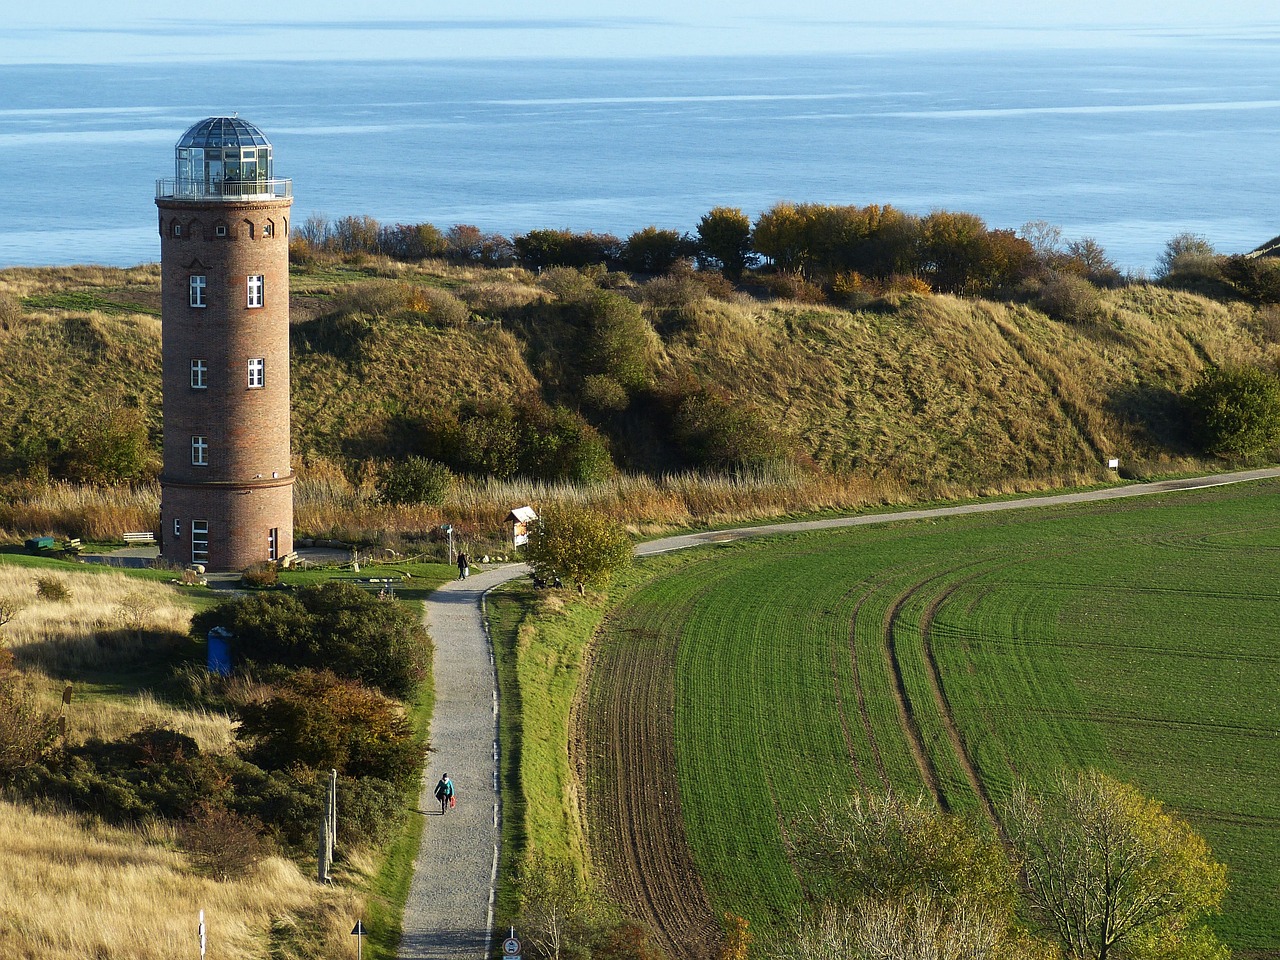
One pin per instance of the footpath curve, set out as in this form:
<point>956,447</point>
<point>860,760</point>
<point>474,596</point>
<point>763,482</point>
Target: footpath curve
<point>449,911</point>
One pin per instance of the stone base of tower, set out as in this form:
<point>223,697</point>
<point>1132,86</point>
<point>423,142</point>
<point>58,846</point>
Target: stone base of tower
<point>226,526</point>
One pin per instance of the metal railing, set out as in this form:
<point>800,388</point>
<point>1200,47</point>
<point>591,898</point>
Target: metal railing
<point>253,189</point>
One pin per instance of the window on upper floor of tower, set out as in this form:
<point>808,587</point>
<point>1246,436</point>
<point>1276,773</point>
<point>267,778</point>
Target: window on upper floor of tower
<point>198,284</point>
<point>256,285</point>
<point>257,372</point>
<point>199,451</point>
<point>199,374</point>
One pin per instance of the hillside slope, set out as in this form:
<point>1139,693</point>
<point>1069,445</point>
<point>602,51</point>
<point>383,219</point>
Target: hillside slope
<point>918,389</point>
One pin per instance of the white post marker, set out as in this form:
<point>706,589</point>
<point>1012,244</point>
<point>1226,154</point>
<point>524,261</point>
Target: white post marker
<point>358,933</point>
<point>200,932</point>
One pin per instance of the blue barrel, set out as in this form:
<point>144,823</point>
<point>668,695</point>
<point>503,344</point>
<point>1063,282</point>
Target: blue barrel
<point>220,651</point>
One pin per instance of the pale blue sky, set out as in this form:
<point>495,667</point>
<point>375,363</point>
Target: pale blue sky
<point>93,31</point>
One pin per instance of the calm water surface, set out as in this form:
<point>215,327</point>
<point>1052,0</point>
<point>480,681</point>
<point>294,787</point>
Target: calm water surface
<point>1127,146</point>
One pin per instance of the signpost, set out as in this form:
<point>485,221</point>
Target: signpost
<point>511,947</point>
<point>200,933</point>
<point>448,528</point>
<point>358,933</point>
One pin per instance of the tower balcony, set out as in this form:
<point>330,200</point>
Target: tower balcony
<point>227,189</point>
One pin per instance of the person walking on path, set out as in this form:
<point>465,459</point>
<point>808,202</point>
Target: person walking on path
<point>444,793</point>
<point>464,566</point>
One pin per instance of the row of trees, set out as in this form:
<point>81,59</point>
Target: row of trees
<point>953,252</point>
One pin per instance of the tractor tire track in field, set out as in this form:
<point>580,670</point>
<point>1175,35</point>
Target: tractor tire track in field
<point>624,733</point>
<point>949,724</point>
<point>906,712</point>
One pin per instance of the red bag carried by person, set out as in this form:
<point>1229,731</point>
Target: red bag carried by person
<point>453,802</point>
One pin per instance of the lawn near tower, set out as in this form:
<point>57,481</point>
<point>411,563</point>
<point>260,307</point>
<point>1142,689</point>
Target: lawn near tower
<point>950,657</point>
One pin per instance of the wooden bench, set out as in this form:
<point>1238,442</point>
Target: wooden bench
<point>137,538</point>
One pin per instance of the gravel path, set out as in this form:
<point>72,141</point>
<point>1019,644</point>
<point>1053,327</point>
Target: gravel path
<point>449,910</point>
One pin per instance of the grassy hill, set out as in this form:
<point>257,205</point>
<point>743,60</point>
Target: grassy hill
<point>914,393</point>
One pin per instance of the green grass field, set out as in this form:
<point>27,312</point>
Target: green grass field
<point>952,657</point>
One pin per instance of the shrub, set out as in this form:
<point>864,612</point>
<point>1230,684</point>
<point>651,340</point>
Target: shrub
<point>440,307</point>
<point>52,588</point>
<point>416,480</point>
<point>465,243</point>
<point>333,625</point>
<point>715,431</point>
<point>1186,258</point>
<point>109,443</point>
<point>619,341</point>
<point>1235,411</point>
<point>263,574</point>
<point>1257,278</point>
<point>1069,298</point>
<point>788,285</point>
<point>655,251</point>
<point>579,546</point>
<point>538,249</point>
<point>26,731</point>
<point>222,844</point>
<point>411,241</point>
<point>724,241</point>
<point>315,719</point>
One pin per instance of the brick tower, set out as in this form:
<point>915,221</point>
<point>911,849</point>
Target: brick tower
<point>227,485</point>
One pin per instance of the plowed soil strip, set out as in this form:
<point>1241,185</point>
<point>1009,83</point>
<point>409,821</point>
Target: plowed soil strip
<point>638,840</point>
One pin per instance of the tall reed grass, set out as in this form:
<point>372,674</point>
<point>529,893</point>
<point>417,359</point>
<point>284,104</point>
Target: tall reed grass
<point>328,504</point>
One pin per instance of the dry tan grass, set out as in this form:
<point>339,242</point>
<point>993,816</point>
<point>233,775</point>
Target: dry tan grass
<point>61,638</point>
<point>70,890</point>
<point>108,618</point>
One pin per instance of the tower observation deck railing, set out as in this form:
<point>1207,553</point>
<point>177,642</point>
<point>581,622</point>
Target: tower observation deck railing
<point>252,189</point>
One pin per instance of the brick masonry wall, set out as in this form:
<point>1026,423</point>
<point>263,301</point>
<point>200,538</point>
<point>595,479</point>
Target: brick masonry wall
<point>240,520</point>
<point>247,429</point>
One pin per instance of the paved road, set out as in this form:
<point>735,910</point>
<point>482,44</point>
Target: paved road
<point>449,910</point>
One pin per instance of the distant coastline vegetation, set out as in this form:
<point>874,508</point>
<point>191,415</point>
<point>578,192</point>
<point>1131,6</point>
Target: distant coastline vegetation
<point>819,358</point>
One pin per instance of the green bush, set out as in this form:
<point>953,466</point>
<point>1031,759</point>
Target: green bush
<point>655,251</point>
<point>716,432</point>
<point>335,626</point>
<point>1235,411</point>
<point>416,480</point>
<point>315,719</point>
<point>578,546</point>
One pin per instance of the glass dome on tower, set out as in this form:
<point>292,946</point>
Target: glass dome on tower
<point>223,157</point>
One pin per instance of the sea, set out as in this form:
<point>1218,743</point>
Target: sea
<point>1126,144</point>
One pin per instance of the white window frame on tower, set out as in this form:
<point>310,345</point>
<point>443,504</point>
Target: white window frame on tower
<point>199,451</point>
<point>198,285</point>
<point>273,543</point>
<point>199,541</point>
<point>257,373</point>
<point>177,528</point>
<point>199,374</point>
<point>256,290</point>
